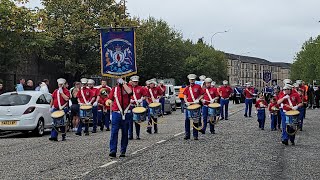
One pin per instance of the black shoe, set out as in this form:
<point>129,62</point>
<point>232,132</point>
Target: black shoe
<point>63,138</point>
<point>285,142</point>
<point>245,115</point>
<point>53,139</point>
<point>262,128</point>
<point>149,131</point>
<point>101,128</point>
<point>222,119</point>
<point>122,155</point>
<point>156,132</point>
<point>94,131</point>
<point>292,143</point>
<point>202,131</point>
<point>130,138</point>
<point>227,119</point>
<point>138,138</point>
<point>79,134</point>
<point>250,116</point>
<point>108,129</point>
<point>196,138</point>
<point>112,154</point>
<point>212,132</point>
<point>86,133</point>
<point>186,138</point>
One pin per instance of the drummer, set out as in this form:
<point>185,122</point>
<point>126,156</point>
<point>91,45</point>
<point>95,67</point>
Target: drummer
<point>210,96</point>
<point>154,94</point>
<point>85,97</point>
<point>248,93</point>
<point>225,92</point>
<point>261,106</point>
<point>289,101</point>
<point>192,95</point>
<point>137,98</point>
<point>302,109</point>
<point>162,87</point>
<point>106,115</point>
<point>94,105</point>
<point>120,95</point>
<point>60,100</point>
<point>103,109</point>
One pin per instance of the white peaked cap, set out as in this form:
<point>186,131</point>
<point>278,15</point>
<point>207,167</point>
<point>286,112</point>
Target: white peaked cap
<point>161,81</point>
<point>299,82</point>
<point>134,78</point>
<point>287,86</point>
<point>296,85</point>
<point>148,82</point>
<point>192,76</point>
<point>202,77</point>
<point>225,82</point>
<point>287,81</point>
<point>84,80</point>
<point>90,81</point>
<point>208,80</point>
<point>213,83</point>
<point>61,81</point>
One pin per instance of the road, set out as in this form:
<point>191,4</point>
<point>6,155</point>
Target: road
<point>238,150</point>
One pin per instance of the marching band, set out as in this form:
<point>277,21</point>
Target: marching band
<point>128,106</point>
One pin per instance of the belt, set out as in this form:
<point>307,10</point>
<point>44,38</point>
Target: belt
<point>129,111</point>
<point>248,98</point>
<point>225,98</point>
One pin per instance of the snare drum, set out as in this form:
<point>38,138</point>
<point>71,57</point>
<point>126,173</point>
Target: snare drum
<point>139,114</point>
<point>292,117</point>
<point>86,111</point>
<point>194,112</point>
<point>238,95</point>
<point>214,109</point>
<point>58,118</point>
<point>155,109</point>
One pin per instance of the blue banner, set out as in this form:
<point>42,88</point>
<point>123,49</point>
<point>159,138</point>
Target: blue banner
<point>118,57</point>
<point>267,76</point>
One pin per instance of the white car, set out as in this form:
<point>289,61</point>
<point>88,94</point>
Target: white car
<point>25,111</point>
<point>170,99</point>
<point>177,91</point>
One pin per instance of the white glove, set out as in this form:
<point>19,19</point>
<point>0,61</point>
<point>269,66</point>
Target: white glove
<point>295,108</point>
<point>120,81</point>
<point>256,112</point>
<point>140,101</point>
<point>51,109</point>
<point>95,104</point>
<point>156,100</point>
<point>286,96</point>
<point>132,101</point>
<point>196,101</point>
<point>187,103</point>
<point>60,90</point>
<point>88,104</point>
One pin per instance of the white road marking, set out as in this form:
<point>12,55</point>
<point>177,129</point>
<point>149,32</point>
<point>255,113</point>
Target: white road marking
<point>161,141</point>
<point>139,151</point>
<point>108,164</point>
<point>178,134</point>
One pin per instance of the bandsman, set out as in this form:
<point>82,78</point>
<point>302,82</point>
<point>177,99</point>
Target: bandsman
<point>225,92</point>
<point>248,93</point>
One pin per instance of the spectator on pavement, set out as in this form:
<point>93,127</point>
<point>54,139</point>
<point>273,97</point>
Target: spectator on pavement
<point>29,86</point>
<point>317,96</point>
<point>181,97</point>
<point>44,88</point>
<point>19,86</point>
<point>38,86</point>
<point>1,88</point>
<point>310,96</point>
<point>46,81</point>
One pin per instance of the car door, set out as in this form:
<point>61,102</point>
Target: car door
<point>44,107</point>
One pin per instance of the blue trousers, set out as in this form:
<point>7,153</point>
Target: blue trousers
<point>137,126</point>
<point>81,124</point>
<point>94,117</point>
<point>54,133</point>
<point>261,117</point>
<point>118,123</point>
<point>187,126</point>
<point>105,118</point>
<point>162,100</point>
<point>224,106</point>
<point>248,103</point>
<point>205,119</point>
<point>285,136</point>
<point>274,120</point>
<point>182,105</point>
<point>301,115</point>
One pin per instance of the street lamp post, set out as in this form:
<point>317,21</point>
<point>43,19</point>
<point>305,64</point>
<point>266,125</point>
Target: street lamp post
<point>216,34</point>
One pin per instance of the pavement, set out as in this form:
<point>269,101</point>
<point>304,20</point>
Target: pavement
<point>238,150</point>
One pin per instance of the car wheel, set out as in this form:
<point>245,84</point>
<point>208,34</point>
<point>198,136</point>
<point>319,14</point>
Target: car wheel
<point>175,107</point>
<point>39,130</point>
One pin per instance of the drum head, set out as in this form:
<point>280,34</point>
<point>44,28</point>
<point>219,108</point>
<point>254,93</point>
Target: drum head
<point>139,110</point>
<point>214,105</point>
<point>57,114</point>
<point>193,107</point>
<point>85,107</point>
<point>153,105</point>
<point>292,113</point>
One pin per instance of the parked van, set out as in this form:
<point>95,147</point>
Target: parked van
<point>170,99</point>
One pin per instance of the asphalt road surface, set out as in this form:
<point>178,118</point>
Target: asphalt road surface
<point>238,150</point>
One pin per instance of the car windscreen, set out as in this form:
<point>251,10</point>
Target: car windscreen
<point>14,99</point>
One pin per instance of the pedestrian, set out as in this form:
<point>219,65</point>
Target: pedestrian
<point>276,95</point>
<point>46,81</point>
<point>274,111</point>
<point>85,97</point>
<point>192,95</point>
<point>1,88</point>
<point>75,107</point>
<point>60,100</point>
<point>163,88</point>
<point>261,105</point>
<point>225,92</point>
<point>138,95</point>
<point>38,86</point>
<point>302,109</point>
<point>310,96</point>
<point>317,96</point>
<point>29,86</point>
<point>248,93</point>
<point>120,95</point>
<point>44,88</point>
<point>237,94</point>
<point>19,86</point>
<point>288,101</point>
<point>95,104</point>
<point>154,94</point>
<point>105,113</point>
<point>181,90</point>
<point>210,96</point>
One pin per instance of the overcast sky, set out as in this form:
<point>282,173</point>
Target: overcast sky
<point>271,29</point>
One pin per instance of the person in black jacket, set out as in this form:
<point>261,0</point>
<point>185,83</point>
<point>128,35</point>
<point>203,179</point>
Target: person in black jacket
<point>317,96</point>
<point>1,88</point>
<point>310,96</point>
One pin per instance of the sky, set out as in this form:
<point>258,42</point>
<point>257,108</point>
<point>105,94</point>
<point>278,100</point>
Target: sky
<point>270,29</point>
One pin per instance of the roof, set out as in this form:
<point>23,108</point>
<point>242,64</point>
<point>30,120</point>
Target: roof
<point>255,60</point>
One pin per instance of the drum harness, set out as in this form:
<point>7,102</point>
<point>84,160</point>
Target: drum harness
<point>138,104</point>
<point>123,113</point>
<point>84,99</point>
<point>154,100</point>
<point>295,132</point>
<point>211,120</point>
<point>194,100</point>
<point>60,108</point>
